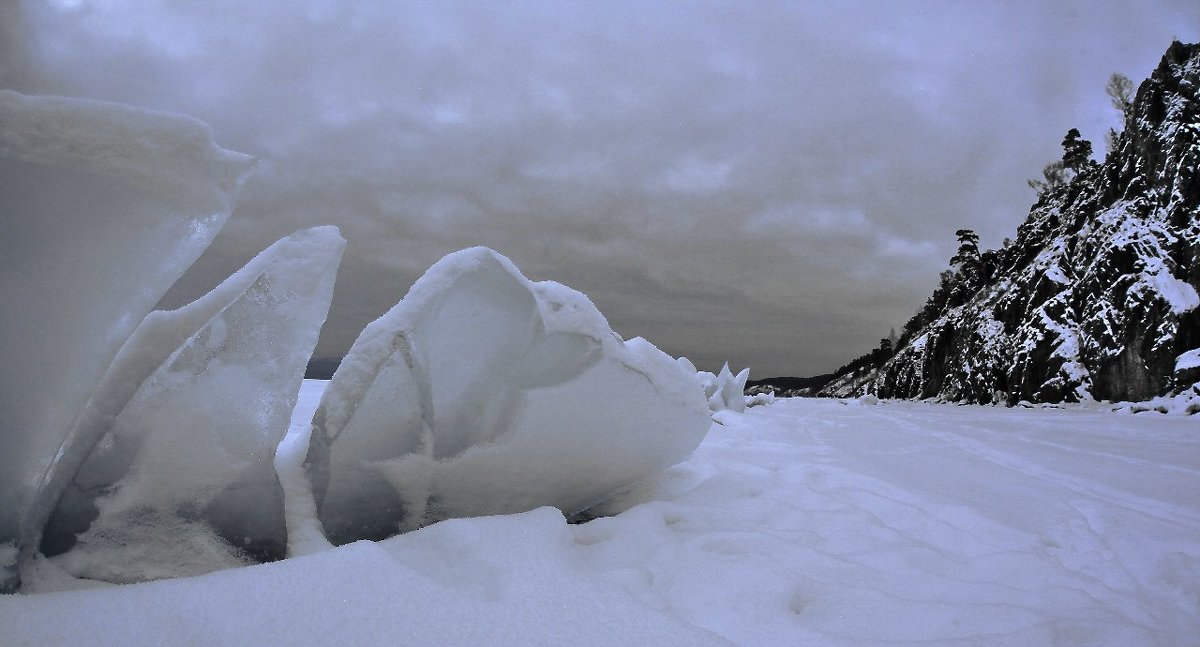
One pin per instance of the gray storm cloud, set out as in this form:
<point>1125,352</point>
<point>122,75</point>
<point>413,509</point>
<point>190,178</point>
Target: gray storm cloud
<point>776,184</point>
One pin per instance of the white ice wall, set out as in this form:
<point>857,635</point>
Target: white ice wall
<point>102,208</point>
<point>184,481</point>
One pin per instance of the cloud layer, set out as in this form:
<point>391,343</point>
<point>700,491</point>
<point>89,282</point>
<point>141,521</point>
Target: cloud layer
<point>776,184</point>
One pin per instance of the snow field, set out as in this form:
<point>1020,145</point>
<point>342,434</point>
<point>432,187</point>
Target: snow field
<point>803,522</point>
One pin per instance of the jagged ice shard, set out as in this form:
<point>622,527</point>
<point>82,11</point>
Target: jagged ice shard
<point>729,394</point>
<point>184,482</point>
<point>725,391</point>
<point>102,208</point>
<point>482,392</point>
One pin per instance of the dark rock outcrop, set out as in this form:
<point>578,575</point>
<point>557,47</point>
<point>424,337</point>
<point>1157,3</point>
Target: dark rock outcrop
<point>1097,295</point>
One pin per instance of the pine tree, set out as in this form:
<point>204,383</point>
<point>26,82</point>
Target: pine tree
<point>1077,151</point>
<point>882,354</point>
<point>967,256</point>
<point>966,260</point>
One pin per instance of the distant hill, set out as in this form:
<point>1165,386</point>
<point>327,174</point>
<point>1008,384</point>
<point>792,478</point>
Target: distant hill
<point>786,386</point>
<point>1096,297</point>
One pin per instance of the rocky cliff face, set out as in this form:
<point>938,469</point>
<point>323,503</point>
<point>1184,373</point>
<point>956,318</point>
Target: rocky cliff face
<point>1097,295</point>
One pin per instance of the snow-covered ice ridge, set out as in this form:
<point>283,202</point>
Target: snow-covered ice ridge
<point>141,445</point>
<point>807,522</point>
<point>482,392</point>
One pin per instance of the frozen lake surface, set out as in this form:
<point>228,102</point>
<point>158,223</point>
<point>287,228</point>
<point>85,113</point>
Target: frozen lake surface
<point>806,522</point>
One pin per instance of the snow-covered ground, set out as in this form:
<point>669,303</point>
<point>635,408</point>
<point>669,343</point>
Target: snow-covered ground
<point>803,522</point>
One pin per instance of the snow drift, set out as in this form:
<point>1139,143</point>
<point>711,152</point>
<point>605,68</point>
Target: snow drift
<point>482,392</point>
<point>105,206</point>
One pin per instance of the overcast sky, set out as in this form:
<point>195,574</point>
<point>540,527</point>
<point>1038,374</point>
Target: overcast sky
<point>773,184</point>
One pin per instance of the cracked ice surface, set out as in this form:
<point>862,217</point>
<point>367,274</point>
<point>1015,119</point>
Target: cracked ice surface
<point>105,206</point>
<point>484,393</point>
<point>803,522</point>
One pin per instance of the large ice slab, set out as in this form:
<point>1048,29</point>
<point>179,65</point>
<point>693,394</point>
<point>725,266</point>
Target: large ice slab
<point>104,206</point>
<point>482,392</point>
<point>183,481</point>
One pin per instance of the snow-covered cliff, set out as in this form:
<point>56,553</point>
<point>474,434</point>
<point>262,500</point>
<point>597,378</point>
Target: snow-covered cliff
<point>1097,295</point>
